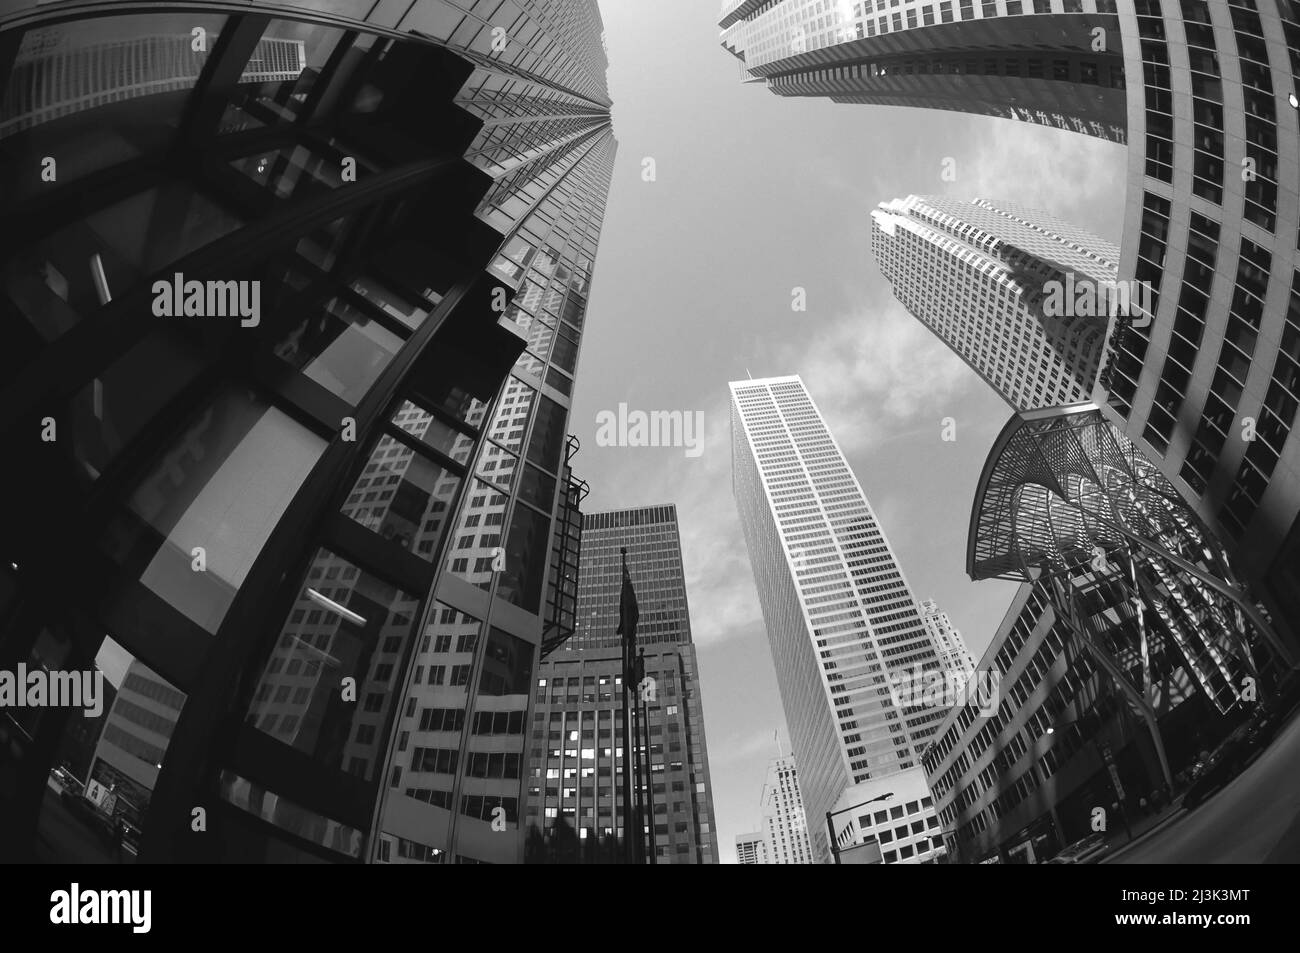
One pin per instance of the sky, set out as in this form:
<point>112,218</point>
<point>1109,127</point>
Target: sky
<point>756,195</point>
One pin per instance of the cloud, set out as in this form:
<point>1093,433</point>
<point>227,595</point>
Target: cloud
<point>719,582</point>
<point>745,748</point>
<point>878,374</point>
<point>1075,177</point>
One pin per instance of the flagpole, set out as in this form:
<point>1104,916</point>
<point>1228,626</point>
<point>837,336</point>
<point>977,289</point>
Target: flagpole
<point>636,735</point>
<point>649,763</point>
<point>627,629</point>
<point>629,851</point>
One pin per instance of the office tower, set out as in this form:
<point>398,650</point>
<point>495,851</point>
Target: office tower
<point>575,767</point>
<point>952,649</point>
<point>1052,62</point>
<point>1027,790</point>
<point>750,848</point>
<point>785,826</point>
<point>1145,618</point>
<point>839,614</point>
<point>290,342</point>
<point>1213,222</point>
<point>991,280</point>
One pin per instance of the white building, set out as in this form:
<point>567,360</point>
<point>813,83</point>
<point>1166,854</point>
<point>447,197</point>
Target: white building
<point>947,639</point>
<point>785,826</point>
<point>840,616</point>
<point>750,848</point>
<point>1003,287</point>
<point>1032,60</point>
<point>897,812</point>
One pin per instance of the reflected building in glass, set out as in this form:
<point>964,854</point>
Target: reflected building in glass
<point>1052,62</point>
<point>316,524</point>
<point>575,762</point>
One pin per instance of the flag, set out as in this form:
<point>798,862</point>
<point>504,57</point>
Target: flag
<point>628,614</point>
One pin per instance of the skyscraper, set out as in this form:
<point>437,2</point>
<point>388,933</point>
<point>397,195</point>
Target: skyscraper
<point>1210,388</point>
<point>840,616</point>
<point>1053,62</point>
<point>979,275</point>
<point>785,826</point>
<point>947,640</point>
<point>326,506</point>
<point>575,767</point>
<point>750,848</point>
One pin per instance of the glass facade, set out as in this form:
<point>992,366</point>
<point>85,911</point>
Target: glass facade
<point>1209,389</point>
<point>274,354</point>
<point>1034,61</point>
<point>575,762</point>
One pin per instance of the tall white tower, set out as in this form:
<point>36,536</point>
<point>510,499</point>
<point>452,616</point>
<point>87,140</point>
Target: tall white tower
<point>952,647</point>
<point>839,613</point>
<point>785,826</point>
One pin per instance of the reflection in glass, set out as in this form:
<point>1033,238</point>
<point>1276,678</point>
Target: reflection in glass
<point>531,364</point>
<point>494,762</point>
<point>511,419</point>
<point>476,546</point>
<point>106,767</point>
<point>559,381</point>
<point>434,432</point>
<point>290,171</point>
<point>525,558</point>
<point>341,348</point>
<point>291,817</point>
<point>345,623</point>
<point>280,74</point>
<point>112,409</point>
<point>222,486</point>
<point>403,496</point>
<point>433,722</point>
<point>540,335</point>
<point>537,488</point>
<point>391,302</point>
<point>496,466</point>
<point>144,68</point>
<point>323,245</point>
<point>50,280</point>
<point>547,442</point>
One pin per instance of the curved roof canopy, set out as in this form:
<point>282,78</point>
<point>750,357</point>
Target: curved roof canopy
<point>1057,483</point>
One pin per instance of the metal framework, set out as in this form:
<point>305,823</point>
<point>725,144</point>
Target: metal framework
<point>1066,494</point>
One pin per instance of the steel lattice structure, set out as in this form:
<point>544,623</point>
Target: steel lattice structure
<point>1066,494</point>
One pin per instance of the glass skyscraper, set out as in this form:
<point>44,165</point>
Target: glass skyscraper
<point>1209,390</point>
<point>290,343</point>
<point>840,616</point>
<point>576,763</point>
<point>978,273</point>
<point>1052,62</point>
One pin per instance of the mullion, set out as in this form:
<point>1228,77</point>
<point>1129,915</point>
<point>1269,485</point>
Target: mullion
<point>412,442</point>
